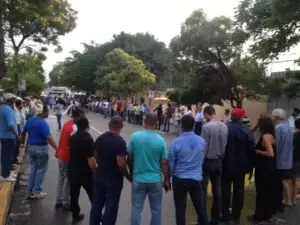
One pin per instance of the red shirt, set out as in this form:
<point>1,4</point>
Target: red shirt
<point>67,131</point>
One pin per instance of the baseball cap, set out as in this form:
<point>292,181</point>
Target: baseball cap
<point>8,96</point>
<point>116,122</point>
<point>238,113</point>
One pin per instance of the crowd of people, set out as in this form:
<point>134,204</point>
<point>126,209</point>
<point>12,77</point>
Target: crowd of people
<point>207,149</point>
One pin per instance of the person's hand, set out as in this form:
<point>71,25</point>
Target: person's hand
<point>92,163</point>
<point>129,178</point>
<point>19,138</point>
<point>167,185</point>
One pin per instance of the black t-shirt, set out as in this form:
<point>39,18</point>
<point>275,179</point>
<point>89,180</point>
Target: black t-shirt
<point>108,146</point>
<point>81,148</point>
<point>296,143</point>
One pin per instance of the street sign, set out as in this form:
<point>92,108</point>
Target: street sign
<point>151,94</point>
<point>22,85</point>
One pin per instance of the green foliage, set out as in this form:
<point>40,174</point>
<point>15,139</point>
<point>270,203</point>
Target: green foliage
<point>123,75</point>
<point>27,67</point>
<point>272,24</point>
<point>214,70</point>
<point>80,69</point>
<point>40,22</point>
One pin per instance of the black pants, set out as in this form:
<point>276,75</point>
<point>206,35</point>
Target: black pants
<point>78,180</point>
<point>212,170</point>
<point>18,145</point>
<point>238,181</point>
<point>267,194</point>
<point>181,187</point>
<point>108,195</point>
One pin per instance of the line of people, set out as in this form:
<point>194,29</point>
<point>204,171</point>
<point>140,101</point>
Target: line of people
<point>223,154</point>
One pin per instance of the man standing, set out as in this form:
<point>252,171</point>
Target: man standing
<point>147,158</point>
<point>284,157</point>
<point>111,158</point>
<point>63,155</point>
<point>215,134</point>
<point>8,136</point>
<point>186,157</point>
<point>295,115</point>
<point>236,163</point>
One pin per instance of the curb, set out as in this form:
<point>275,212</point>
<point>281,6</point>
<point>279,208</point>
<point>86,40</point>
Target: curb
<point>6,191</point>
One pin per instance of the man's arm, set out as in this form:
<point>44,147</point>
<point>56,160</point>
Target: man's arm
<point>11,120</point>
<point>165,167</point>
<point>121,160</point>
<point>130,151</point>
<point>205,135</point>
<point>171,159</point>
<point>130,162</point>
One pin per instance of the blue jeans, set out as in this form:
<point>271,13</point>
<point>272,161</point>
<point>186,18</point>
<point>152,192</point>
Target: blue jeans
<point>38,166</point>
<point>138,196</point>
<point>8,149</point>
<point>59,121</point>
<point>108,195</point>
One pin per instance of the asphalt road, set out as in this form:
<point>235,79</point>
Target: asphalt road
<point>43,212</point>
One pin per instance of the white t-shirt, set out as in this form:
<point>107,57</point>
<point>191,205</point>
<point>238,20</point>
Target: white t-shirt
<point>189,112</point>
<point>105,105</point>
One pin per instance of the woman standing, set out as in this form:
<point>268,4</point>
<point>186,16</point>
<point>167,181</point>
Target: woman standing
<point>39,137</point>
<point>58,111</point>
<point>266,181</point>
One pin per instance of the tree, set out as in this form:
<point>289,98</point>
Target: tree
<point>274,25</point>
<point>28,67</point>
<point>155,55</point>
<point>40,22</point>
<point>2,44</point>
<point>80,69</point>
<point>213,49</point>
<point>123,75</point>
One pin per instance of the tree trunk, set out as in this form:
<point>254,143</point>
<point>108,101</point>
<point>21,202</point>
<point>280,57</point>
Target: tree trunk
<point>2,43</point>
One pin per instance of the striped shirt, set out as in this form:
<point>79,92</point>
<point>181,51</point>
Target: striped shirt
<point>284,146</point>
<point>215,134</point>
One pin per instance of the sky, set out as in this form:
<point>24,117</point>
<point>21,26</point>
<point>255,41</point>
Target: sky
<point>99,20</point>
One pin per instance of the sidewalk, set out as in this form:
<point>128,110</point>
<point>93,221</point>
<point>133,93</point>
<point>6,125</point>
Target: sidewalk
<point>6,190</point>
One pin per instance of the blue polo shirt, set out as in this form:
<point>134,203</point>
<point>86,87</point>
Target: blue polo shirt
<point>7,119</point>
<point>148,149</point>
<point>38,131</point>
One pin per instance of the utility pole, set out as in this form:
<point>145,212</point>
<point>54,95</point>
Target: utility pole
<point>2,40</point>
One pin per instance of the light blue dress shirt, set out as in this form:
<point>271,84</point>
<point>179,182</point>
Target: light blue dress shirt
<point>199,117</point>
<point>186,156</point>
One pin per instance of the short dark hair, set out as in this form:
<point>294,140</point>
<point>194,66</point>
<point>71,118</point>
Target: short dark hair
<point>83,123</point>
<point>77,112</point>
<point>297,123</point>
<point>210,110</point>
<point>18,102</point>
<point>296,110</point>
<point>266,126</point>
<point>187,123</point>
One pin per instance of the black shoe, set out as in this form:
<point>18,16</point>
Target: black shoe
<point>58,205</point>
<point>78,218</point>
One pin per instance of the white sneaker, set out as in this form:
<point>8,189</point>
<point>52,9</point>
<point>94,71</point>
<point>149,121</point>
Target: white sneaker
<point>39,195</point>
<point>9,178</point>
<point>14,175</point>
